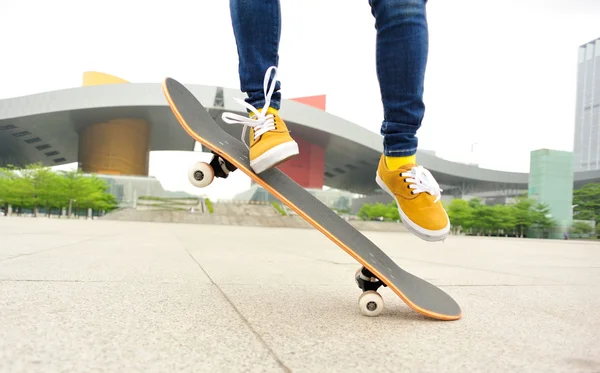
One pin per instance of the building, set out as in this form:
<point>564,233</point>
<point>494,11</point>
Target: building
<point>551,182</point>
<point>109,126</point>
<point>586,147</point>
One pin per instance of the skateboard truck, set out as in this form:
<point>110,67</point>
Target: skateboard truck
<point>370,301</point>
<point>201,174</point>
<point>222,167</point>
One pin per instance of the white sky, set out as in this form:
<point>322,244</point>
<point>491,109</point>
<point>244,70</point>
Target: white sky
<point>501,74</point>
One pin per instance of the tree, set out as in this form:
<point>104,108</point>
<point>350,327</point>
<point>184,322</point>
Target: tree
<point>379,211</point>
<point>100,199</point>
<point>488,219</point>
<point>14,190</point>
<point>393,212</point>
<point>483,220</point>
<point>580,228</point>
<point>5,186</point>
<point>523,214</point>
<point>541,219</point>
<point>39,184</point>
<point>35,187</point>
<point>506,219</point>
<point>587,202</point>
<point>460,214</point>
<point>73,189</point>
<point>474,203</point>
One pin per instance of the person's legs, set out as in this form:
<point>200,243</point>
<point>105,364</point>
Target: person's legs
<point>402,47</point>
<point>257,30</point>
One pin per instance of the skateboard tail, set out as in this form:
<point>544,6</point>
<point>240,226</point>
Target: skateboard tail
<point>216,149</point>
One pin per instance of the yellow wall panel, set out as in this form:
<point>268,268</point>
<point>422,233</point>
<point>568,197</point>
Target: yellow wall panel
<point>96,78</point>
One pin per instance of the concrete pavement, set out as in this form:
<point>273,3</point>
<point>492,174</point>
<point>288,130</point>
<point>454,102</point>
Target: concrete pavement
<point>106,296</point>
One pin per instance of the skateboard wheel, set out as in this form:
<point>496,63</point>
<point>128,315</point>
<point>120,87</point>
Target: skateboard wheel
<point>201,174</point>
<point>370,303</point>
<point>356,274</point>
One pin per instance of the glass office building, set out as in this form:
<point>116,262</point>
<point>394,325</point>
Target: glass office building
<point>586,149</point>
<point>551,182</point>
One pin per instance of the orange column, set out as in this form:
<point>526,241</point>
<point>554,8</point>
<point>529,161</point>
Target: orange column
<point>120,146</point>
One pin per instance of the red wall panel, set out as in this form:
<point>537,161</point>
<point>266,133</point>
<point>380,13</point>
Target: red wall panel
<point>308,167</point>
<point>314,101</point>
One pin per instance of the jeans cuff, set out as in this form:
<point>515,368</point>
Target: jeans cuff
<point>399,139</point>
<point>392,152</point>
<point>258,100</point>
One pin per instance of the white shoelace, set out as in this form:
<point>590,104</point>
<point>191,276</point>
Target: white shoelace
<point>423,181</point>
<point>262,123</point>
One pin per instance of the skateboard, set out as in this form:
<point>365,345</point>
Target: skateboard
<point>378,269</point>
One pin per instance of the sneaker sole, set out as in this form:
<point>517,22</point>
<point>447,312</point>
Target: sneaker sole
<point>274,156</point>
<point>425,234</point>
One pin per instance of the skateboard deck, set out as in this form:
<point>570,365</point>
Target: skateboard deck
<point>378,268</point>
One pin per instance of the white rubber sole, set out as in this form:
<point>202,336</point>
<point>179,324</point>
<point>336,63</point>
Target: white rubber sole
<point>274,156</point>
<point>425,234</point>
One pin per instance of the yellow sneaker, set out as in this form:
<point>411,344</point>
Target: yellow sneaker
<point>270,142</point>
<point>419,199</point>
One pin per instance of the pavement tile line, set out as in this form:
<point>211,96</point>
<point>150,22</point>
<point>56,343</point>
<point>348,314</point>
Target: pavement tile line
<point>61,246</point>
<point>237,311</point>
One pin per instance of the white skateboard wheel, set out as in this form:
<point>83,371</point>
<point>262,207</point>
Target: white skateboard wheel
<point>370,303</point>
<point>201,174</point>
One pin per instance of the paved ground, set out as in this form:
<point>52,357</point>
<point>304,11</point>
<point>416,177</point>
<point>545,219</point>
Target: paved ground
<point>95,296</point>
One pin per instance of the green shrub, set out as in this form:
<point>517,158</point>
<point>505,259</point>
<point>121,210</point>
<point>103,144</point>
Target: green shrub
<point>279,208</point>
<point>209,205</point>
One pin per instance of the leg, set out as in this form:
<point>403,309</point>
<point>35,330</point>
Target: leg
<point>402,46</point>
<point>257,30</point>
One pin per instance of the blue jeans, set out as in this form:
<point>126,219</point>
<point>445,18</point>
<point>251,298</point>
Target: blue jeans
<point>402,47</point>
